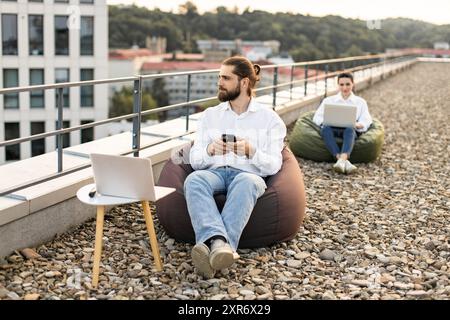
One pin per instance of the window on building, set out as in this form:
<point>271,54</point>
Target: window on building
<point>10,79</point>
<point>62,75</point>
<point>37,146</point>
<point>36,34</point>
<point>37,98</point>
<point>35,0</point>
<point>9,34</point>
<point>86,1</point>
<point>87,92</point>
<point>61,36</point>
<point>87,134</point>
<point>61,1</point>
<point>12,131</point>
<point>87,36</point>
<point>66,136</point>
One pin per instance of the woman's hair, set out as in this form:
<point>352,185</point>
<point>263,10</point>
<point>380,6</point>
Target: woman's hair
<point>244,68</point>
<point>345,75</point>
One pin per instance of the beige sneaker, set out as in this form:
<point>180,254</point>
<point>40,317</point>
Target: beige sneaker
<point>339,166</point>
<point>221,256</point>
<point>200,259</point>
<point>236,256</point>
<point>349,167</point>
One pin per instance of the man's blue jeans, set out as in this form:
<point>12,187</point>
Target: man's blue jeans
<point>242,189</point>
<point>329,135</point>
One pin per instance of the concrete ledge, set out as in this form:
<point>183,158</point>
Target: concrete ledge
<point>12,209</point>
<point>444,60</point>
<point>42,226</point>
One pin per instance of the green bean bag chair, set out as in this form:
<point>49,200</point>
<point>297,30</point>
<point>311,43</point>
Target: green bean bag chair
<point>306,142</point>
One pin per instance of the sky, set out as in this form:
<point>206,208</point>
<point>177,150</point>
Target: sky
<point>434,11</point>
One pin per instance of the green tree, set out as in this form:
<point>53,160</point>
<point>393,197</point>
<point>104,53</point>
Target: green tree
<point>306,52</point>
<point>353,51</point>
<point>122,103</point>
<point>190,14</point>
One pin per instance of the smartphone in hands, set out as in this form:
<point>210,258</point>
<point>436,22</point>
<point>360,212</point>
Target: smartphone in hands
<point>228,138</point>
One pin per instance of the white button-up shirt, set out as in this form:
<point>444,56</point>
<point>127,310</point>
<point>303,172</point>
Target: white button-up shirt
<point>362,111</point>
<point>259,125</point>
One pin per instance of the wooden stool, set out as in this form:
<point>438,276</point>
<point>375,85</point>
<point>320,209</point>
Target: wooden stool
<point>100,201</point>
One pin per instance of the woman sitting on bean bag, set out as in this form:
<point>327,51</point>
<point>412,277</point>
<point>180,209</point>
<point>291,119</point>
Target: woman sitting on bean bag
<point>349,134</point>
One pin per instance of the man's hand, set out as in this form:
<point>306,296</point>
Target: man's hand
<point>218,148</point>
<point>359,125</point>
<point>243,148</point>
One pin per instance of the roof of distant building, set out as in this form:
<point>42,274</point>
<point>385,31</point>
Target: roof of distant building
<point>436,52</point>
<point>185,56</point>
<point>129,54</point>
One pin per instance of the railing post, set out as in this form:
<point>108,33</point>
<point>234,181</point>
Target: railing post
<point>316,74</point>
<point>275,82</point>
<point>59,126</point>
<point>370,71</point>
<point>292,82</point>
<point>188,98</point>
<point>306,81</point>
<point>137,108</point>
<point>326,79</point>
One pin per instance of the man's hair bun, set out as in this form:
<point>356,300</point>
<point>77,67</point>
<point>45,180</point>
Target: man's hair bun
<point>257,68</point>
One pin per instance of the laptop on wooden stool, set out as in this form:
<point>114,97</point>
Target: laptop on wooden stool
<point>121,180</point>
<point>126,177</point>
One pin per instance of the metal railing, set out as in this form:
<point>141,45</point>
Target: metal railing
<point>310,67</point>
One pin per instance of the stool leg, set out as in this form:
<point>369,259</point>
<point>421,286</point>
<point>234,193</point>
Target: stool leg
<point>152,234</point>
<point>98,244</point>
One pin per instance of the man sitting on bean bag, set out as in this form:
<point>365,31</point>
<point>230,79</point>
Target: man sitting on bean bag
<point>239,142</point>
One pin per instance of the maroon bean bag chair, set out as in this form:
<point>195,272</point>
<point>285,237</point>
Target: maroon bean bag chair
<point>277,215</point>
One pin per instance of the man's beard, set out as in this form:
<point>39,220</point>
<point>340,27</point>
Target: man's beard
<point>226,95</point>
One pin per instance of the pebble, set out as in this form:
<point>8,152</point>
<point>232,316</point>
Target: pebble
<point>328,295</point>
<point>302,255</point>
<point>246,292</point>
<point>254,272</point>
<point>430,245</point>
<point>294,263</point>
<point>30,254</point>
<point>417,293</point>
<point>327,255</point>
<point>264,296</point>
<point>3,293</point>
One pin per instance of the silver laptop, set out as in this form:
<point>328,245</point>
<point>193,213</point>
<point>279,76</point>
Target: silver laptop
<point>339,115</point>
<point>126,177</point>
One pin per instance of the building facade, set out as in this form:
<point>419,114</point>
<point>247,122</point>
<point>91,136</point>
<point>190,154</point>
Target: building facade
<point>45,42</point>
<point>254,50</point>
<point>176,87</point>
